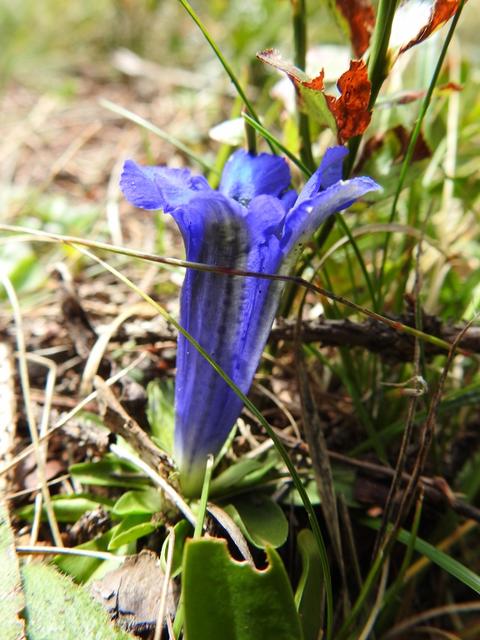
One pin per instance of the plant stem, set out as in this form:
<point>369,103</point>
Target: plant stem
<point>223,61</point>
<point>300,45</point>
<point>377,66</point>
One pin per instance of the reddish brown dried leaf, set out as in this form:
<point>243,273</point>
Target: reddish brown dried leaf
<point>402,137</point>
<point>441,12</point>
<point>360,16</point>
<point>317,83</point>
<point>350,110</point>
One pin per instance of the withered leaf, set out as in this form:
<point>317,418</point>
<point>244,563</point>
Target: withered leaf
<point>359,16</point>
<point>350,110</point>
<point>132,593</point>
<point>425,16</point>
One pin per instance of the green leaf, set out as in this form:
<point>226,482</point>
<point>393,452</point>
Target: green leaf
<point>11,598</point>
<point>82,568</point>
<point>109,472</point>
<point>315,104</point>
<point>233,601</point>
<point>130,529</point>
<point>261,520</point>
<point>57,608</point>
<point>161,413</point>
<point>182,530</point>
<point>243,474</point>
<point>310,591</point>
<point>67,508</point>
<point>144,501</point>
<point>233,475</point>
<point>443,560</point>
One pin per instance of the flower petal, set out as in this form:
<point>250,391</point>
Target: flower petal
<point>246,175</point>
<point>305,218</point>
<point>328,173</point>
<point>229,315</point>
<point>159,187</point>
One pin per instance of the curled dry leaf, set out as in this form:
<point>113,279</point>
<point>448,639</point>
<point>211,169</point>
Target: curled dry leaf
<point>358,16</point>
<point>350,110</point>
<point>416,20</point>
<point>348,114</point>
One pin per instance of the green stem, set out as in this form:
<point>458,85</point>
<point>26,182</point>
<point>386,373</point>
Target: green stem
<point>300,45</point>
<point>377,66</point>
<point>413,140</point>
<point>202,507</point>
<point>221,58</point>
<point>251,136</point>
<point>275,142</point>
<point>378,59</point>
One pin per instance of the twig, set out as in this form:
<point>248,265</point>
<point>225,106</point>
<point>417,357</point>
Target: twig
<point>118,421</point>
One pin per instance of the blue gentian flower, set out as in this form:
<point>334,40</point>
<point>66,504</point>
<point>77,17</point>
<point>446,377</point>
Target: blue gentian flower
<point>253,222</point>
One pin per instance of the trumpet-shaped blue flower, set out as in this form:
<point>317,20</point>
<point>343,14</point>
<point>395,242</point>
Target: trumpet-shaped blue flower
<point>253,222</point>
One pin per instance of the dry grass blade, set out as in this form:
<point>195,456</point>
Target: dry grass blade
<point>49,391</point>
<point>68,416</point>
<point>98,350</point>
<point>427,433</point>
<point>409,623</point>
<point>157,479</point>
<point>9,407</point>
<point>233,531</point>
<point>322,469</point>
<point>32,424</point>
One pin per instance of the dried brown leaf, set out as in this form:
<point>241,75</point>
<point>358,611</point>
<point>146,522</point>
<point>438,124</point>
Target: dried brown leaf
<point>360,17</point>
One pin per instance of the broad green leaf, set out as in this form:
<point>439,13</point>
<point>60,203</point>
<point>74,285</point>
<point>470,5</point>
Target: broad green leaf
<point>309,594</point>
<point>130,529</point>
<point>11,597</point>
<point>109,472</point>
<point>261,520</point>
<point>182,530</point>
<point>233,601</point>
<point>68,508</point>
<point>144,501</point>
<point>82,568</point>
<point>57,608</point>
<point>161,413</point>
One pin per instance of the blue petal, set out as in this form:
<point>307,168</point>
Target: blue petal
<point>246,175</point>
<point>305,218</point>
<point>289,199</point>
<point>159,187</point>
<point>328,173</point>
<point>229,315</point>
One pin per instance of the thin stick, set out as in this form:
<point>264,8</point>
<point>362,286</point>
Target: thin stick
<point>28,550</point>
